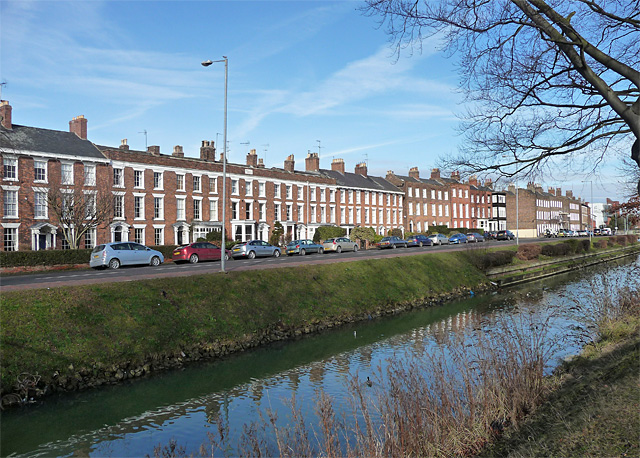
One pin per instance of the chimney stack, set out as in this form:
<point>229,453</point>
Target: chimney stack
<point>570,194</point>
<point>208,151</point>
<point>78,126</point>
<point>5,114</point>
<point>435,174</point>
<point>337,165</point>
<point>312,162</point>
<point>455,176</point>
<point>154,150</point>
<point>260,163</point>
<point>289,163</point>
<point>123,145</point>
<point>512,188</point>
<point>414,173</point>
<point>489,183</point>
<point>361,169</point>
<point>178,151</point>
<point>552,191</point>
<point>252,158</point>
<point>473,180</point>
<point>558,192</point>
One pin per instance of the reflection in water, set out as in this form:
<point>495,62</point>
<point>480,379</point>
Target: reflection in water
<point>129,420</point>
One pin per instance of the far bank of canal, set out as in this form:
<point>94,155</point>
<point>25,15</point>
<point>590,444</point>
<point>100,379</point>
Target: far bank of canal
<point>131,418</point>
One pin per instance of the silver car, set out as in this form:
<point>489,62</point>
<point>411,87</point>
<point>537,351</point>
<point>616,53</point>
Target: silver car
<point>254,249</point>
<point>114,255</point>
<point>439,239</point>
<point>340,244</point>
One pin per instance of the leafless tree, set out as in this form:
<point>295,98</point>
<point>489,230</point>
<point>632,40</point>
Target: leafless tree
<point>78,209</point>
<point>543,79</point>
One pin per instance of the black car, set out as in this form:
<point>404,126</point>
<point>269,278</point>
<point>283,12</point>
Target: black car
<point>491,235</point>
<point>419,240</point>
<point>505,235</point>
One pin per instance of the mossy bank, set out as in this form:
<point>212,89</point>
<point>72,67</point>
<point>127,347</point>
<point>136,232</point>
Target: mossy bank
<point>76,337</point>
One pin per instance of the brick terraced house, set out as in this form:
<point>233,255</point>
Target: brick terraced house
<point>166,199</point>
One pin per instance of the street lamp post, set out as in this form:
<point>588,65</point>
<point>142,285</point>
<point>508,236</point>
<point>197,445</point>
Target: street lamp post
<point>223,244</point>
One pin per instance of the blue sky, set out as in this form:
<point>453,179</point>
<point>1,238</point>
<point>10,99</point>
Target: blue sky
<point>299,72</point>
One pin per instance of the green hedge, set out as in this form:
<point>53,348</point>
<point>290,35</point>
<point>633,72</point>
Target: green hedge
<point>59,257</point>
<point>327,232</point>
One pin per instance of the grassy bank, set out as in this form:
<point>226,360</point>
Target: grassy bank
<point>65,331</point>
<point>593,406</point>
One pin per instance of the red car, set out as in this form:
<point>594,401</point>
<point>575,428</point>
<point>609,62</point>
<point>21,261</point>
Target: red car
<point>198,251</point>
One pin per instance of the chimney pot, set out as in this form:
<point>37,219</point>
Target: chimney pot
<point>5,115</point>
<point>337,165</point>
<point>124,145</point>
<point>78,126</point>
<point>289,163</point>
<point>208,151</point>
<point>312,162</point>
<point>260,163</point>
<point>178,151</point>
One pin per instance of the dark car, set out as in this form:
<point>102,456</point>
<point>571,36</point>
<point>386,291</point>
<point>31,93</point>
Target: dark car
<point>475,237</point>
<point>303,247</point>
<point>198,251</point>
<point>391,242</point>
<point>505,235</point>
<point>419,240</point>
<point>491,235</point>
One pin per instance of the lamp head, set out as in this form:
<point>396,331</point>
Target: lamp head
<point>206,63</point>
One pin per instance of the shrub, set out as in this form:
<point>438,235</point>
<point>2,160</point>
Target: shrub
<point>276,234</point>
<point>44,257</point>
<point>529,251</point>
<point>327,232</point>
<point>493,259</point>
<point>396,231</point>
<point>620,239</point>
<point>363,233</point>
<point>557,249</point>
<point>573,245</point>
<point>601,243</point>
<point>585,245</point>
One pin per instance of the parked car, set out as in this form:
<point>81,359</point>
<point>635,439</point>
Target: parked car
<point>491,235</point>
<point>597,231</point>
<point>198,251</point>
<point>303,247</point>
<point>458,238</point>
<point>550,234</point>
<point>254,249</point>
<point>606,231</point>
<point>583,233</point>
<point>340,244</point>
<point>439,239</point>
<point>391,242</point>
<point>419,240</point>
<point>475,237</point>
<point>114,255</point>
<point>505,235</point>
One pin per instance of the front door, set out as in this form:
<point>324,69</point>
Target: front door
<point>42,241</point>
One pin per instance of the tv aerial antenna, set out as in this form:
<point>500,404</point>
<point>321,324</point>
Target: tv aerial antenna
<point>145,139</point>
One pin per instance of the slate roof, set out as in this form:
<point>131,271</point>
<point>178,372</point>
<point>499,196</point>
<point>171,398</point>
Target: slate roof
<point>36,140</point>
<point>355,180</point>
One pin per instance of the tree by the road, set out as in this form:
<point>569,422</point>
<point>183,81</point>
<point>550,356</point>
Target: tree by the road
<point>78,210</point>
<point>543,79</point>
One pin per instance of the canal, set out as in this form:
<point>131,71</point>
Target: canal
<point>185,405</point>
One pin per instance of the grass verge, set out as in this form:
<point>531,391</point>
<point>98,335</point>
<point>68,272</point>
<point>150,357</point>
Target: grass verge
<point>65,330</point>
<point>592,409</point>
